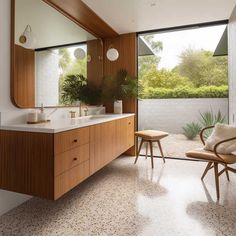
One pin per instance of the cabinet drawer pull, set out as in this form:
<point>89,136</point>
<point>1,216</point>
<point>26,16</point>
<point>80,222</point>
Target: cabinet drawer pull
<point>75,140</point>
<point>75,159</point>
<point>129,123</point>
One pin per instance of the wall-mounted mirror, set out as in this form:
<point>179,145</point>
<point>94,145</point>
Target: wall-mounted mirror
<point>47,47</point>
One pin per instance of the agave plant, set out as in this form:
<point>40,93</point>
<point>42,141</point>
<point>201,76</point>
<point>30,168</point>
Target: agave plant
<point>191,130</point>
<point>209,118</point>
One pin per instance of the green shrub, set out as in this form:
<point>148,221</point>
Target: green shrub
<point>191,130</point>
<point>186,92</point>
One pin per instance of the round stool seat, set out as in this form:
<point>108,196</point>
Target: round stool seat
<point>151,134</point>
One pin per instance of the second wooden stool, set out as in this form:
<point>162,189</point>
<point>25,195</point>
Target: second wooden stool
<point>150,136</point>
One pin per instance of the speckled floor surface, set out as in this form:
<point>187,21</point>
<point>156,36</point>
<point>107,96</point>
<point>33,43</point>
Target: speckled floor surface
<point>126,199</point>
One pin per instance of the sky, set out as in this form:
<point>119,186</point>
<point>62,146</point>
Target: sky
<point>174,43</point>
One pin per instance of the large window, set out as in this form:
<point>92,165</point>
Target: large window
<point>184,85</point>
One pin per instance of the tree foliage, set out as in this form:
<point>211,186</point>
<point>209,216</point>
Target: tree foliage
<point>164,79</point>
<point>198,75</point>
<point>202,68</point>
<point>147,63</point>
<point>65,59</point>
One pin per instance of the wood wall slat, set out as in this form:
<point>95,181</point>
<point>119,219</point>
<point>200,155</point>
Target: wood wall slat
<point>95,66</point>
<point>24,77</point>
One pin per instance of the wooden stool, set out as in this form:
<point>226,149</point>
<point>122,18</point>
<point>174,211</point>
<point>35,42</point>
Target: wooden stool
<point>150,136</point>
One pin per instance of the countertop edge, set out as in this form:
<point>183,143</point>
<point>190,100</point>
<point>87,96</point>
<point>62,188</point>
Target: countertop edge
<point>38,129</point>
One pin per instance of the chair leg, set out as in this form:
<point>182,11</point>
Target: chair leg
<point>217,180</point>
<point>146,150</point>
<point>151,149</point>
<point>159,144</point>
<point>137,154</point>
<point>206,170</point>
<point>226,172</point>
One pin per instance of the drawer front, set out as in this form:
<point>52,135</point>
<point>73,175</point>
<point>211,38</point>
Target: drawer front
<point>71,178</point>
<point>71,158</point>
<point>70,139</point>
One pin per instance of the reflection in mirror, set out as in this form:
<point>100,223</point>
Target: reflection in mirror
<point>48,47</point>
<point>52,67</point>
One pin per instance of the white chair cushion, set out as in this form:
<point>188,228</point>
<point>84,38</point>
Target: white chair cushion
<point>220,133</point>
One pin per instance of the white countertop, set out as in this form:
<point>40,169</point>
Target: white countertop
<point>57,126</point>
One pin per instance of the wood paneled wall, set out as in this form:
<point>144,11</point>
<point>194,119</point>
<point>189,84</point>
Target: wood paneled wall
<point>126,45</point>
<point>95,65</point>
<point>24,77</point>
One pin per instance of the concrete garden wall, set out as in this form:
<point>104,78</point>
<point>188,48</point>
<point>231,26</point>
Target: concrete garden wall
<point>172,114</point>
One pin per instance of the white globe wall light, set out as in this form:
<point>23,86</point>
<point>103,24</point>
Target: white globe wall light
<point>112,54</point>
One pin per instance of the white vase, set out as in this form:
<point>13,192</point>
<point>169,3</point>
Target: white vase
<point>118,107</point>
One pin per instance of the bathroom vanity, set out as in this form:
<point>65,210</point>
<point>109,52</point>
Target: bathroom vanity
<point>48,160</point>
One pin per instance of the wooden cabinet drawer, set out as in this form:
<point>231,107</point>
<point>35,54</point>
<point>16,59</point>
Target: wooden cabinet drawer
<point>71,158</point>
<point>71,178</point>
<point>70,139</point>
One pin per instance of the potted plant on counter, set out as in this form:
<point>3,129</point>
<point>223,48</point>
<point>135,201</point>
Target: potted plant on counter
<point>118,88</point>
<point>76,89</point>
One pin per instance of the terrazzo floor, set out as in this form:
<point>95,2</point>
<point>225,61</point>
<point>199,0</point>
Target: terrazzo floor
<point>127,199</point>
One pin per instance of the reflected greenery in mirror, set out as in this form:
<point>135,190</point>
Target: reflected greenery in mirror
<point>52,68</point>
<point>75,88</point>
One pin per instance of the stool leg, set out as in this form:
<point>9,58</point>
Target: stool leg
<point>151,149</point>
<point>137,154</point>
<point>159,144</point>
<point>146,150</point>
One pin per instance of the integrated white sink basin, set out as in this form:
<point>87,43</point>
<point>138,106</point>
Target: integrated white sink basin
<point>94,117</point>
<point>84,119</point>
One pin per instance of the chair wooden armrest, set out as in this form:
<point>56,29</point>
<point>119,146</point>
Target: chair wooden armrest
<point>219,143</point>
<point>202,133</point>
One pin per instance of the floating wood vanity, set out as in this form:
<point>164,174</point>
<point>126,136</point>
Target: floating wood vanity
<point>48,162</point>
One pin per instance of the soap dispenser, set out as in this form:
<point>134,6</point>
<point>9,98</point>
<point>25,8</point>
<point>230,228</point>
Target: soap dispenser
<point>42,115</point>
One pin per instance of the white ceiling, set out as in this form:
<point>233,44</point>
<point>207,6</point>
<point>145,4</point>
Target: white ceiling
<point>49,27</point>
<point>126,16</point>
